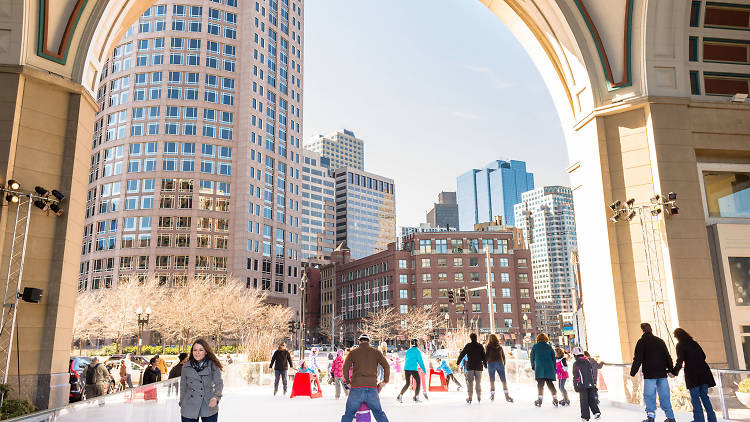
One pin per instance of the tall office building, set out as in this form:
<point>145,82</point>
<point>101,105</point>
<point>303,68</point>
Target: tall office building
<point>342,147</point>
<point>444,212</point>
<point>318,208</point>
<point>365,211</point>
<point>491,191</point>
<point>195,167</point>
<point>547,218</point>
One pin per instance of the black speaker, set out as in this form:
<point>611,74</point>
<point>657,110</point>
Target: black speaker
<point>32,295</point>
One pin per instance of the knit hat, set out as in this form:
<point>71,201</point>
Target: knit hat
<point>364,337</point>
<point>577,351</point>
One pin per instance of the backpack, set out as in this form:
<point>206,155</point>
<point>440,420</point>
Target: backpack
<point>91,374</point>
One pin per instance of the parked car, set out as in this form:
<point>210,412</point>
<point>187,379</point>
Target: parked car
<point>77,384</point>
<point>440,353</point>
<point>140,360</point>
<point>137,369</point>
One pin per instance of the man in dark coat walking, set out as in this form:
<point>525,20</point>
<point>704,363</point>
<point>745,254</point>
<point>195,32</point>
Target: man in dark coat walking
<point>475,364</point>
<point>651,353</point>
<point>280,362</point>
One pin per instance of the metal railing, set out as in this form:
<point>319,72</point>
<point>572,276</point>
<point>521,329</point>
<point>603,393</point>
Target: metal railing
<point>136,402</point>
<point>730,397</point>
<point>727,398</point>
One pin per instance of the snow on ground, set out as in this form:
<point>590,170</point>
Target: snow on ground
<point>259,404</point>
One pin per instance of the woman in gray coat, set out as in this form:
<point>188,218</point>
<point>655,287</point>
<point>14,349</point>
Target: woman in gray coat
<point>201,385</point>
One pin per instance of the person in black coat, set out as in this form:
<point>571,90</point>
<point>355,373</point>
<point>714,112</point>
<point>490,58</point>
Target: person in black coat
<point>584,384</point>
<point>152,373</point>
<point>477,360</point>
<point>280,362</point>
<point>651,353</point>
<point>698,376</point>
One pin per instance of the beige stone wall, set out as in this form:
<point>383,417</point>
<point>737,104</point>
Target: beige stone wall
<point>46,129</point>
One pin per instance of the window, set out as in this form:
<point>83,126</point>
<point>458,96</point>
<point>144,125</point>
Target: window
<point>458,277</point>
<point>426,278</point>
<point>476,308</point>
<point>522,263</point>
<point>523,278</point>
<point>403,279</point>
<point>503,262</point>
<point>427,293</point>
<point>402,263</point>
<point>403,294</point>
<point>459,262</point>
<point>425,262</point>
<point>507,308</point>
<point>727,193</point>
<point>404,309</point>
<point>425,246</point>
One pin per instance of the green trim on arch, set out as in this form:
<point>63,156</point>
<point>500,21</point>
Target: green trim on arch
<point>612,85</point>
<point>61,56</point>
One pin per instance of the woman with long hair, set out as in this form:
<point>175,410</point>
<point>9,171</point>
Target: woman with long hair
<point>698,377</point>
<point>496,365</point>
<point>201,385</point>
<point>543,364</point>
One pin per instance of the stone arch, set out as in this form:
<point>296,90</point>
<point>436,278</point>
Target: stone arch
<point>609,65</point>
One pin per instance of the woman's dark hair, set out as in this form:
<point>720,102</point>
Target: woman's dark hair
<point>181,357</point>
<point>682,335</point>
<point>542,338</point>
<point>152,361</point>
<point>209,353</point>
<point>493,341</point>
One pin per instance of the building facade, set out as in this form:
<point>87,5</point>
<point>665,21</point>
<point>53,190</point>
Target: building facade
<point>342,148</point>
<point>196,158</point>
<point>429,266</point>
<point>318,224</point>
<point>365,211</point>
<point>547,218</point>
<point>444,212</point>
<point>491,191</point>
<point>330,328</point>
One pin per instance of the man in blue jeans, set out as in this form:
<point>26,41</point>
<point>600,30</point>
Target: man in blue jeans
<point>652,354</point>
<point>364,380</point>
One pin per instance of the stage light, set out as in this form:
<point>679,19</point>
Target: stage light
<point>56,209</point>
<point>630,202</point>
<point>57,194</point>
<point>13,185</point>
<point>615,205</point>
<point>41,191</point>
<point>41,205</point>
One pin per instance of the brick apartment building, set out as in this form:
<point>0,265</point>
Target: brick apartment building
<point>422,272</point>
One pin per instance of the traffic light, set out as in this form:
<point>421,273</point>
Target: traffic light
<point>292,327</point>
<point>451,296</point>
<point>462,294</point>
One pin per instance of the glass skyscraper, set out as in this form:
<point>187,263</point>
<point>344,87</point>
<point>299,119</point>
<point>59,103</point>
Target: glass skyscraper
<point>365,211</point>
<point>196,159</point>
<point>491,191</point>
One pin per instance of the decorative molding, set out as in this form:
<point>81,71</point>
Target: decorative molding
<point>627,71</point>
<point>61,55</point>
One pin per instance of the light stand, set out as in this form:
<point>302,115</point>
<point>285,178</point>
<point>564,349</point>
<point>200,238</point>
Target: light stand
<point>47,202</point>
<point>651,236</point>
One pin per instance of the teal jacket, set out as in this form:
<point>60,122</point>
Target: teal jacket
<point>414,359</point>
<point>543,361</point>
<point>445,368</point>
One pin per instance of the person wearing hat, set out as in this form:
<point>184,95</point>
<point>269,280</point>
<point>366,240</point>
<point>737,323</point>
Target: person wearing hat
<point>585,385</point>
<point>363,380</point>
<point>413,363</point>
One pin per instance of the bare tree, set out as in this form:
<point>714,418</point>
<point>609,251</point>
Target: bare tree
<point>380,325</point>
<point>262,335</point>
<point>419,323</point>
<point>88,323</point>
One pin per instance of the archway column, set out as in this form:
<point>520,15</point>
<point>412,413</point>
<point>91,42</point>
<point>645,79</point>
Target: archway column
<point>46,125</point>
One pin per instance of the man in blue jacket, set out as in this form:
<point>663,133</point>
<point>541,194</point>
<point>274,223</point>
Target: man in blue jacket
<point>413,362</point>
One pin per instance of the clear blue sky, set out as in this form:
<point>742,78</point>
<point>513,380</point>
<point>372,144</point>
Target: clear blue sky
<point>433,87</point>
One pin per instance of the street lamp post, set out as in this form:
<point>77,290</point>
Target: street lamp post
<point>303,312</point>
<point>489,290</point>
<point>142,322</point>
<point>525,328</point>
